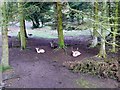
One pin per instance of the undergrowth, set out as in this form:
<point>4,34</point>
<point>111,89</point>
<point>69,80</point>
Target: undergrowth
<point>108,68</point>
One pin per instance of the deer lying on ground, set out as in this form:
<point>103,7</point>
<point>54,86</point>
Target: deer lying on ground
<point>53,44</point>
<point>40,50</point>
<point>75,53</point>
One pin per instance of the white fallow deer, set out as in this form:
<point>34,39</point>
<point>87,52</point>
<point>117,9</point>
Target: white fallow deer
<point>38,50</point>
<point>76,53</point>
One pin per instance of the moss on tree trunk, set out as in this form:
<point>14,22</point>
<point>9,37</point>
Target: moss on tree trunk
<point>22,29</point>
<point>116,28</point>
<point>60,27</point>
<point>118,36</point>
<point>5,49</point>
<point>95,26</point>
<point>111,21</point>
<point>102,52</point>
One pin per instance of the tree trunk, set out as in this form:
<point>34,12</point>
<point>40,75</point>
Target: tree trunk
<point>22,31</point>
<point>25,29</point>
<point>71,16</point>
<point>35,20</point>
<point>94,41</point>
<point>5,49</point>
<point>116,28</point>
<point>118,36</point>
<point>82,19</point>
<point>111,21</point>
<point>0,74</point>
<point>102,52</point>
<point>1,51</point>
<point>60,27</point>
<point>95,26</point>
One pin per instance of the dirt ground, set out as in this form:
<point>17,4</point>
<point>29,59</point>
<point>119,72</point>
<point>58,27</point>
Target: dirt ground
<point>32,70</point>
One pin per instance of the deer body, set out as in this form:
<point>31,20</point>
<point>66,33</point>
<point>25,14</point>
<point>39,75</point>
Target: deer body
<point>40,50</point>
<point>53,44</point>
<point>76,53</point>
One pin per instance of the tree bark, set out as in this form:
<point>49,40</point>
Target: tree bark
<point>118,36</point>
<point>111,21</point>
<point>22,31</point>
<point>25,29</point>
<point>5,49</point>
<point>102,52</point>
<point>95,26</point>
<point>60,27</point>
<point>116,28</point>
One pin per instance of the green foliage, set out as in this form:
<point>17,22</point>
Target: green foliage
<point>12,11</point>
<point>85,6</point>
<point>80,12</point>
<point>36,12</point>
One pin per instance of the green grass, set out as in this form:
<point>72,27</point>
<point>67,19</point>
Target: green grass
<point>46,32</point>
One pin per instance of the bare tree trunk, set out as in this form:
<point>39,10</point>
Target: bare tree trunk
<point>1,4</point>
<point>5,49</point>
<point>95,26</point>
<point>60,27</point>
<point>116,28</point>
<point>22,31</point>
<point>118,36</point>
<point>1,81</point>
<point>25,29</point>
<point>110,15</point>
<point>102,52</point>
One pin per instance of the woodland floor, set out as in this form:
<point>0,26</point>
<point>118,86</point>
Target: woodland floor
<point>32,70</point>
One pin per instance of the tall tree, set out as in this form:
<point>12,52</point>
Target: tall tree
<point>111,21</point>
<point>116,27</point>
<point>25,29</point>
<point>60,27</point>
<point>22,25</point>
<point>118,36</point>
<point>102,52</point>
<point>95,25</point>
<point>5,49</point>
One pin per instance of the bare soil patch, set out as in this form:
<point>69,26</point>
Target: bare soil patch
<point>46,70</point>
